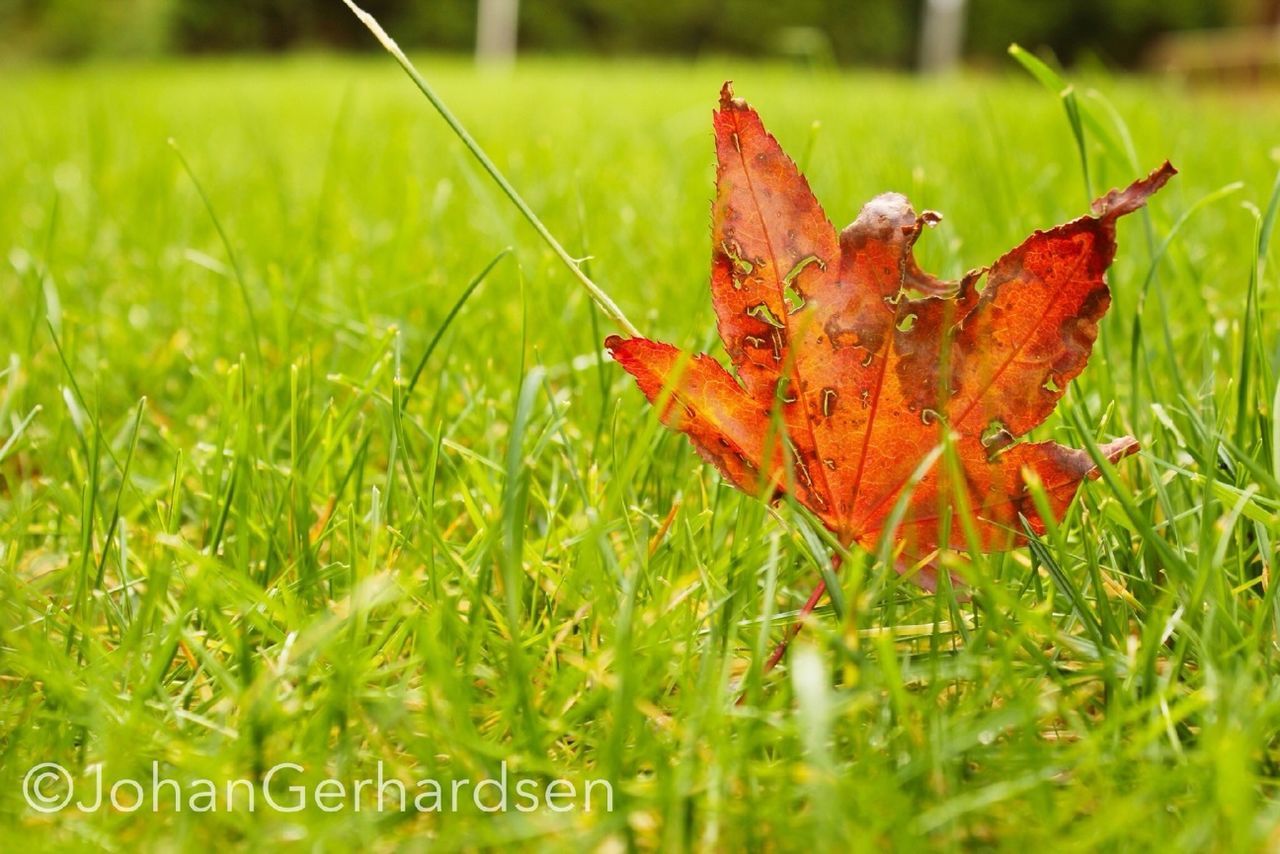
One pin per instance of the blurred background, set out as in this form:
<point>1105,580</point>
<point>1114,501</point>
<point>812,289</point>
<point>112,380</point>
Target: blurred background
<point>1195,36</point>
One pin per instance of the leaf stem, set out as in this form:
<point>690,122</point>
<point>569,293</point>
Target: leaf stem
<point>794,629</point>
<point>597,294</point>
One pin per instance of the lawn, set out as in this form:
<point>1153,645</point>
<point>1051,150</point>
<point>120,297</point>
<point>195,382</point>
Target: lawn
<point>233,534</point>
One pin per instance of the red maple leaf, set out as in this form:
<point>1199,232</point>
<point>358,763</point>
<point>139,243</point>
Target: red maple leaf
<point>852,364</point>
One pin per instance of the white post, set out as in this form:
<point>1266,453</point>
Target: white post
<point>941,36</point>
<point>496,24</point>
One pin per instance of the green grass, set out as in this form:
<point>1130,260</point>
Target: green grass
<point>230,537</point>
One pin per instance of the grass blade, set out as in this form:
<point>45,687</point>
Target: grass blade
<point>602,299</point>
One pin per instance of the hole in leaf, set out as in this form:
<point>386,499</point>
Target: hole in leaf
<point>996,437</point>
<point>763,312</point>
<point>733,252</point>
<point>905,324</point>
<point>783,395</point>
<point>828,402</point>
<point>795,301</point>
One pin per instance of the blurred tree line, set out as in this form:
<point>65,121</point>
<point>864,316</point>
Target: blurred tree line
<point>865,32</point>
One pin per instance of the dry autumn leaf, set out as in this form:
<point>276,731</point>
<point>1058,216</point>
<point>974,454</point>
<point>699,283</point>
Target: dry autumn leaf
<point>851,361</point>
